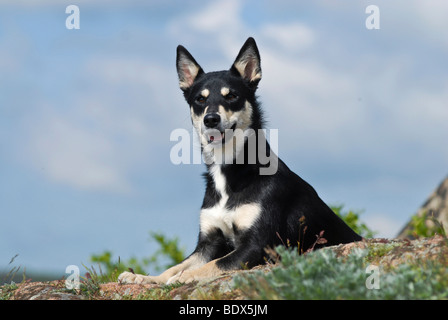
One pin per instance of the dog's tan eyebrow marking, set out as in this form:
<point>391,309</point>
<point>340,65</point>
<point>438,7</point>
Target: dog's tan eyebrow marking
<point>225,91</point>
<point>205,93</point>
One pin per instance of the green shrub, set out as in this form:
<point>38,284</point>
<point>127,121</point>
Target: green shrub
<point>351,218</point>
<point>419,226</point>
<point>109,270</point>
<point>169,248</point>
<point>321,275</point>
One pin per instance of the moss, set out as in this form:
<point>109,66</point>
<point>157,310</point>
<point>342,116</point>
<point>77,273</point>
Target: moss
<point>7,291</point>
<point>376,251</point>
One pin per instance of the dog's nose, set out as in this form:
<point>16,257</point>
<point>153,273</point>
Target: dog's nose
<point>212,120</point>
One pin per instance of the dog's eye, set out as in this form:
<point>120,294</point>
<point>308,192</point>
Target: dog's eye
<point>231,97</point>
<point>200,99</point>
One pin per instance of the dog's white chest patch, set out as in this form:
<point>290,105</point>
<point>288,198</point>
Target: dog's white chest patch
<point>218,216</point>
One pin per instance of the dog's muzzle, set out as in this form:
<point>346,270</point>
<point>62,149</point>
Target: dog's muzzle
<point>212,120</point>
<point>214,130</point>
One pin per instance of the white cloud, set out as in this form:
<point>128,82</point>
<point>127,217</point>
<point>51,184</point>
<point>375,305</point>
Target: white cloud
<point>217,14</point>
<point>294,85</point>
<point>102,136</point>
<point>424,19</point>
<point>314,103</point>
<point>218,23</point>
<point>152,85</point>
<point>292,36</point>
<point>312,106</point>
<point>427,108</point>
<point>433,14</point>
<point>72,155</point>
<point>105,3</point>
<point>341,106</point>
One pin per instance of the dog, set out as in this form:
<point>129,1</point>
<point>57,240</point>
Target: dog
<point>245,209</point>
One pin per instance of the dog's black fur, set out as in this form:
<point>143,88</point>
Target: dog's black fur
<point>244,212</point>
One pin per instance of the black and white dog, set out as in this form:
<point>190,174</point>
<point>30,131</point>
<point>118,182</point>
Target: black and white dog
<point>250,204</point>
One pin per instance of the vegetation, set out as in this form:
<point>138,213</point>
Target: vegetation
<point>425,225</point>
<point>7,290</point>
<point>109,270</point>
<point>323,275</point>
<point>351,218</point>
<point>318,274</point>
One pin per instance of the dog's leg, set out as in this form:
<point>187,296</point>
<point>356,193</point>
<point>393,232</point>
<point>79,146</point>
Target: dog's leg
<point>208,246</point>
<point>237,259</point>
<point>193,261</point>
<point>208,270</point>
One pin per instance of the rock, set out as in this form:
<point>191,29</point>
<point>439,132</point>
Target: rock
<point>393,252</point>
<point>435,209</point>
<point>53,290</point>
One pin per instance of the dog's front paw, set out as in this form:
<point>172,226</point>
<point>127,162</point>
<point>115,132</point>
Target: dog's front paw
<point>184,277</point>
<point>129,277</point>
<point>174,279</point>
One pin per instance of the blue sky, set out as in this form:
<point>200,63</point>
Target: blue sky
<point>86,115</point>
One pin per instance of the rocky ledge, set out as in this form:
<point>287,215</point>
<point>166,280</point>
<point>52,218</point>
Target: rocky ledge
<point>387,253</point>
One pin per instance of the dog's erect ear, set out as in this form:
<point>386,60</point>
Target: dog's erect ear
<point>187,68</point>
<point>247,63</point>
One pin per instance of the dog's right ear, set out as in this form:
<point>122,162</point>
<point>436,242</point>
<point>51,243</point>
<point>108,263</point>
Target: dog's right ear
<point>187,68</point>
<point>247,63</point>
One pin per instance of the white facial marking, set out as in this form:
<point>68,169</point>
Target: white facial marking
<point>242,118</point>
<point>225,91</point>
<point>205,93</point>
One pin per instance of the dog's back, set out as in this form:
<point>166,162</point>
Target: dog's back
<point>306,215</point>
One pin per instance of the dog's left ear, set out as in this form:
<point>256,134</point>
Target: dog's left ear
<point>247,63</point>
<point>188,69</point>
